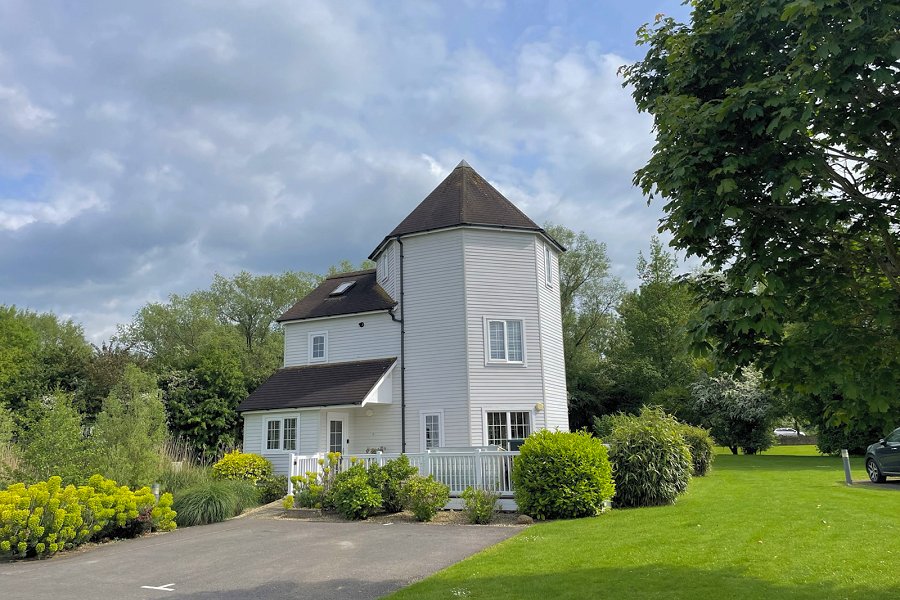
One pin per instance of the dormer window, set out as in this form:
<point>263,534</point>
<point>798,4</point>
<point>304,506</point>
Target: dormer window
<point>342,288</point>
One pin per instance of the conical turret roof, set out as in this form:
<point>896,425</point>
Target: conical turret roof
<point>464,198</point>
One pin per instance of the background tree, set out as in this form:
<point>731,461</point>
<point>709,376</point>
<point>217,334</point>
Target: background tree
<point>776,155</point>
<point>649,362</point>
<point>739,411</point>
<point>128,435</point>
<point>589,294</point>
<point>53,443</point>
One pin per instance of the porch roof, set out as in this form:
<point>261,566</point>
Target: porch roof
<point>318,385</point>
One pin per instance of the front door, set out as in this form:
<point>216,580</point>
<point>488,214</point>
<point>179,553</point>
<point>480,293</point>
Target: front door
<point>337,434</point>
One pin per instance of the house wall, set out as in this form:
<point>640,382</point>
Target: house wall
<point>500,272</point>
<point>556,410</point>
<point>434,317</point>
<point>347,341</point>
<point>308,427</point>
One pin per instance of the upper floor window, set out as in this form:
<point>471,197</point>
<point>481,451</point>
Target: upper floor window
<point>548,266</point>
<point>505,341</point>
<point>318,347</point>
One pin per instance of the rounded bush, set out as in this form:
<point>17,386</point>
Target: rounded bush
<point>562,475</point>
<point>424,496</point>
<point>272,488</point>
<point>243,467</point>
<point>480,505</point>
<point>352,495</point>
<point>702,447</point>
<point>651,461</point>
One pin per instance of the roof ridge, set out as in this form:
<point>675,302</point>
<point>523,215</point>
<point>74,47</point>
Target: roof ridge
<point>350,274</point>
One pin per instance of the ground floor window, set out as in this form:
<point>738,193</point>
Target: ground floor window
<point>281,434</point>
<point>508,429</point>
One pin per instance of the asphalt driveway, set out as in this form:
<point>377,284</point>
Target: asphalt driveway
<point>253,558</point>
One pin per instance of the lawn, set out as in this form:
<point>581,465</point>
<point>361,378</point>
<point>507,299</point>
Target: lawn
<point>780,525</point>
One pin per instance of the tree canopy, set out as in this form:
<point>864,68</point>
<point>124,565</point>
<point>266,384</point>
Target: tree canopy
<point>776,155</point>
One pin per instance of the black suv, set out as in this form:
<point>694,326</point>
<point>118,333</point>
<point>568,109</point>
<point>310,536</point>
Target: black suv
<point>883,458</point>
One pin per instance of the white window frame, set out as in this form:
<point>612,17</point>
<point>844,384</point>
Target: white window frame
<point>508,426</point>
<point>312,336</point>
<point>281,441</point>
<point>431,413</point>
<point>548,266</point>
<point>488,360</point>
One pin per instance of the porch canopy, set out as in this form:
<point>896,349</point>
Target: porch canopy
<point>336,384</point>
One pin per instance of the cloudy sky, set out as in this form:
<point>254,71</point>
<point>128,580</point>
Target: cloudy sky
<point>146,146</point>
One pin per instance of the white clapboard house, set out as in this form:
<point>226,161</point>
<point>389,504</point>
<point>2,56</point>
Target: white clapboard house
<point>454,340</point>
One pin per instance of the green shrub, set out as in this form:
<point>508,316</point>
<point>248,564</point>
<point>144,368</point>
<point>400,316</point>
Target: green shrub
<point>287,502</point>
<point>651,461</point>
<point>396,472</point>
<point>54,443</point>
<point>352,494</point>
<point>480,505</point>
<point>311,490</point>
<point>702,447</point>
<point>45,517</point>
<point>272,488</point>
<point>213,502</point>
<point>244,467</point>
<point>561,475</point>
<point>424,496</point>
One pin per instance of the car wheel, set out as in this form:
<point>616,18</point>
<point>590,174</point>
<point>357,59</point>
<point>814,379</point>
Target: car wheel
<point>874,472</point>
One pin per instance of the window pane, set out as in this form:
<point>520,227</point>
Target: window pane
<point>519,425</point>
<point>548,266</point>
<point>335,436</point>
<point>432,431</point>
<point>273,435</point>
<point>514,335</point>
<point>498,343</point>
<point>290,434</point>
<point>318,346</point>
<point>496,426</point>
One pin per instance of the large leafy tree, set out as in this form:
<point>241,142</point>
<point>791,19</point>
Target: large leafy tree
<point>776,154</point>
<point>589,294</point>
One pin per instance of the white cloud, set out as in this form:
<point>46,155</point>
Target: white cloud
<point>18,111</point>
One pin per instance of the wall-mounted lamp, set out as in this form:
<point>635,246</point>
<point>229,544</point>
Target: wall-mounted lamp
<point>369,412</point>
<point>539,406</point>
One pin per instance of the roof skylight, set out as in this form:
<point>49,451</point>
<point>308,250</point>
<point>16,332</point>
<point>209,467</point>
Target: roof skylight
<point>342,288</point>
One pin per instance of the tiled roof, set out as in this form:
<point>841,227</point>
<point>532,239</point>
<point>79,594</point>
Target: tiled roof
<point>330,384</point>
<point>365,295</point>
<point>464,198</point>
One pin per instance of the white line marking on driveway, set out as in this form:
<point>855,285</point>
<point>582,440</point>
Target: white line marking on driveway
<point>162,588</point>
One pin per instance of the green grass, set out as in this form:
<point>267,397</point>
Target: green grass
<point>780,525</point>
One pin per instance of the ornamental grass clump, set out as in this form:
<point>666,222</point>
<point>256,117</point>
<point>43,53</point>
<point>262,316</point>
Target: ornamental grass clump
<point>651,461</point>
<point>560,475</point>
<point>214,501</point>
<point>702,447</point>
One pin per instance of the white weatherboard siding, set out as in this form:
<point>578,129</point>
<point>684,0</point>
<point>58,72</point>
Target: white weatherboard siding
<point>500,284</point>
<point>434,316</point>
<point>556,411</point>
<point>387,265</point>
<point>347,341</point>
<point>307,435</point>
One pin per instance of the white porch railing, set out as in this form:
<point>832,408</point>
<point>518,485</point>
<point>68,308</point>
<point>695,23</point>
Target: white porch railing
<point>478,468</point>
